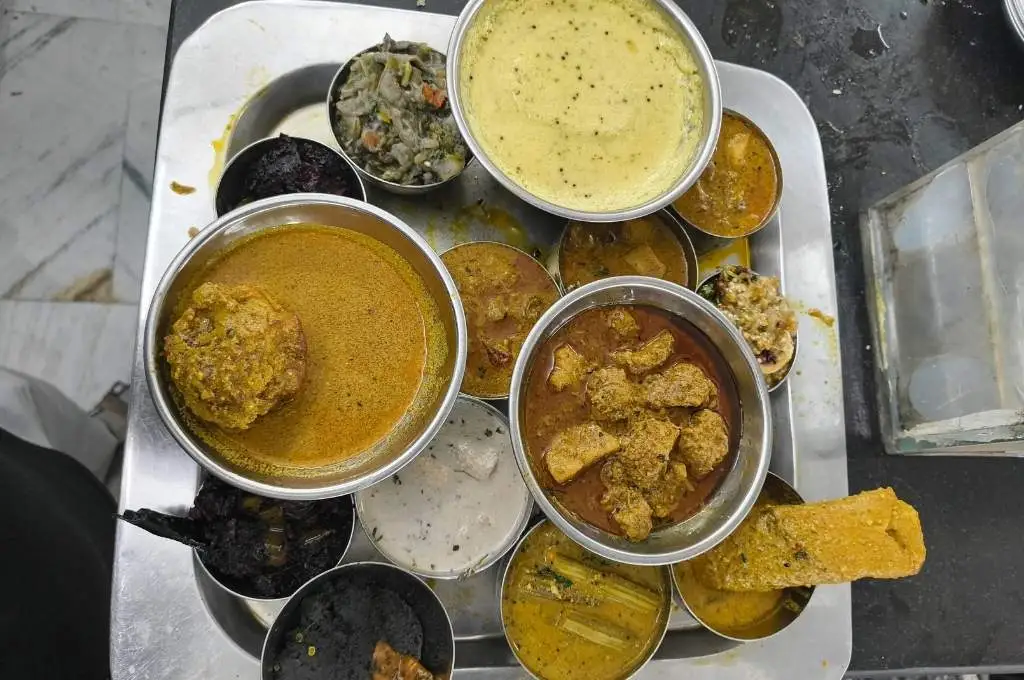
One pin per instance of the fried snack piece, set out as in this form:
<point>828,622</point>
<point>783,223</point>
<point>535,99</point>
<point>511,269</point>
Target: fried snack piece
<point>612,395</point>
<point>569,370</point>
<point>681,384</point>
<point>630,511</point>
<point>576,448</point>
<point>870,535</point>
<point>703,442</point>
<point>623,323</point>
<point>235,354</point>
<point>389,664</point>
<point>651,354</point>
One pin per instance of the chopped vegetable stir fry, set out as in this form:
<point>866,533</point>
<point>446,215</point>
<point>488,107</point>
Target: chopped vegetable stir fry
<point>393,115</point>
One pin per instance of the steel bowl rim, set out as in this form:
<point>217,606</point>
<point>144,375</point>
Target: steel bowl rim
<point>1015,15</point>
<point>762,405</point>
<point>331,573</point>
<point>554,280</point>
<point>668,583</point>
<point>525,514</point>
<point>714,274</point>
<point>675,584</point>
<point>676,225</point>
<point>393,187</point>
<point>776,202</point>
<point>712,109</point>
<point>166,410</point>
<point>248,148</point>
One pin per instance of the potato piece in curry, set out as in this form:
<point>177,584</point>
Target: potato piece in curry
<point>235,354</point>
<point>504,291</point>
<point>630,431</point>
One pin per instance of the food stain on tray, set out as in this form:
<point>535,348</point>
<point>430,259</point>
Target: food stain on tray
<point>182,189</point>
<point>478,221</point>
<point>220,146</point>
<point>735,252</point>
<point>821,316</point>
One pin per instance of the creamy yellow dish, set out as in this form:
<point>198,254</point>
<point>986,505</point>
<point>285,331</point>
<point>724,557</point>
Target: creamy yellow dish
<point>594,105</point>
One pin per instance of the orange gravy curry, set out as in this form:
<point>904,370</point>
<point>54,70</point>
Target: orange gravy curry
<point>375,344</point>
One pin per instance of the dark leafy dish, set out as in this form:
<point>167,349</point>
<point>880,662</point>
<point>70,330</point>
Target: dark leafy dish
<point>757,307</point>
<point>392,115</point>
<point>285,165</point>
<point>256,546</point>
<point>631,417</point>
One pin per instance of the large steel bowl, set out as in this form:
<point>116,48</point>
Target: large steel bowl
<point>705,150</point>
<point>332,211</point>
<point>726,507</point>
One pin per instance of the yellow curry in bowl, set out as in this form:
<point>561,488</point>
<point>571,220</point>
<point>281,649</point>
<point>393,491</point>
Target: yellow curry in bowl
<point>596,108</point>
<point>739,191</point>
<point>350,325</point>
<point>571,615</point>
<point>504,291</point>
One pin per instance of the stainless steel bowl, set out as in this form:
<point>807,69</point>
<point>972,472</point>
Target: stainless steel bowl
<point>793,601</point>
<point>394,187</point>
<point>519,507</point>
<point>554,260</point>
<point>726,507</point>
<point>498,396</point>
<point>712,119</point>
<point>655,642</point>
<point>710,277</point>
<point>438,653</point>
<point>229,186</point>
<point>776,202</point>
<point>331,211</point>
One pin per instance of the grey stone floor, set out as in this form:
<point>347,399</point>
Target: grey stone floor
<point>79,103</point>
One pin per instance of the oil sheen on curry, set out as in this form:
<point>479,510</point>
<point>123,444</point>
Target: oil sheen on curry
<point>504,291</point>
<point>304,346</point>
<point>594,106</point>
<point>631,418</point>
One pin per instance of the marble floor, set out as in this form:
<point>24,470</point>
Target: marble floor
<point>79,103</point>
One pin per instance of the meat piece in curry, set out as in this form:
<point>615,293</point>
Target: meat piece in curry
<point>683,384</point>
<point>622,322</point>
<point>612,395</point>
<point>704,442</point>
<point>235,354</point>
<point>504,291</point>
<point>646,480</point>
<point>647,246</point>
<point>650,355</point>
<point>576,448</point>
<point>630,510</point>
<point>569,370</point>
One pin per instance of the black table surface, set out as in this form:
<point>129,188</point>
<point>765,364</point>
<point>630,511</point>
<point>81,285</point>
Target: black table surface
<point>944,76</point>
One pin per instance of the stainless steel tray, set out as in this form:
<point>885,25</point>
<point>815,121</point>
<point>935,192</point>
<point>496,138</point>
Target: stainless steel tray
<point>254,70</point>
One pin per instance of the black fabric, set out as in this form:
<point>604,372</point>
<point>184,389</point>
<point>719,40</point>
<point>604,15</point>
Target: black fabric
<point>56,562</point>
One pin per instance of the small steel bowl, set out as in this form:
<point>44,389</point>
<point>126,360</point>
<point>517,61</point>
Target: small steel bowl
<point>493,396</point>
<point>726,507</point>
<point>522,511</point>
<point>655,642</point>
<point>438,654</point>
<point>330,211</point>
<point>776,383</point>
<point>239,591</point>
<point>712,119</point>
<point>229,187</point>
<point>792,601</point>
<point>554,260</point>
<point>394,187</point>
<point>778,185</point>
